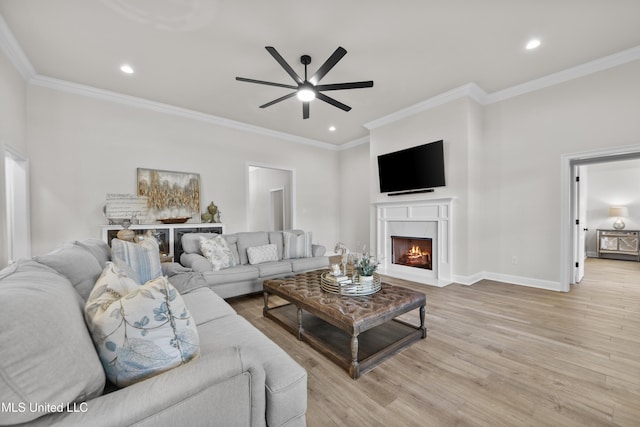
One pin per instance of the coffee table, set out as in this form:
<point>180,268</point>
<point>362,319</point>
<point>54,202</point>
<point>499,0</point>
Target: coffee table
<point>355,332</point>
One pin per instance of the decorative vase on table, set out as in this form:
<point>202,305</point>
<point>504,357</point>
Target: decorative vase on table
<point>366,266</point>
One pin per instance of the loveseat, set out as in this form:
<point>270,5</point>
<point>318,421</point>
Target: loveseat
<point>294,253</point>
<point>51,374</point>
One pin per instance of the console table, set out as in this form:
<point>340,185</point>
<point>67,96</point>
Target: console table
<point>169,236</point>
<point>618,242</point>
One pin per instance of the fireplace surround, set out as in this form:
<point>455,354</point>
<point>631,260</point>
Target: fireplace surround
<point>418,222</point>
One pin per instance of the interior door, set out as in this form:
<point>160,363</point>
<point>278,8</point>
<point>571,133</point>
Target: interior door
<point>580,192</point>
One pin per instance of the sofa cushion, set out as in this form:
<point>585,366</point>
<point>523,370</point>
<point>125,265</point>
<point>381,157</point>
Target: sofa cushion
<point>238,273</point>
<point>77,264</point>
<point>143,257</point>
<point>99,248</point>
<point>275,237</point>
<point>260,254</point>
<point>297,244</point>
<point>46,353</point>
<point>205,305</point>
<point>307,264</point>
<point>275,268</point>
<point>250,239</point>
<point>139,331</point>
<point>286,380</point>
<point>217,251</point>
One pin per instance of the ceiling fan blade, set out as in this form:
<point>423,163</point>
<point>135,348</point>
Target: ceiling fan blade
<point>305,110</point>
<point>328,64</point>
<point>340,86</point>
<point>275,101</point>
<point>262,82</point>
<point>332,101</point>
<point>284,64</point>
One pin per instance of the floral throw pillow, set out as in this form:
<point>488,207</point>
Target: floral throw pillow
<point>139,330</point>
<point>217,251</point>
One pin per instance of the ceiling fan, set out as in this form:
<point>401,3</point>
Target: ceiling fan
<point>308,89</point>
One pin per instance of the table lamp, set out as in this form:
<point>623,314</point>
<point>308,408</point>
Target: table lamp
<point>618,212</point>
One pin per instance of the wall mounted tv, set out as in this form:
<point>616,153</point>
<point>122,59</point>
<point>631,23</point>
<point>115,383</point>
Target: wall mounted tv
<point>415,169</point>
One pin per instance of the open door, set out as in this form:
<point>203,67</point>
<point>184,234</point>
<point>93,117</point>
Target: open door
<point>580,193</point>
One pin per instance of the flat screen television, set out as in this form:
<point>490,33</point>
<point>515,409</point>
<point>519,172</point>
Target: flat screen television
<point>414,168</point>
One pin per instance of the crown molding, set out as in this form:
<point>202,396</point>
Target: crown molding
<point>14,52</point>
<point>582,70</point>
<point>132,101</point>
<point>470,90</point>
<point>11,48</point>
<point>352,144</point>
<point>476,93</point>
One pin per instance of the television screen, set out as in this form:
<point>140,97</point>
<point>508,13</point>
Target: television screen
<point>414,168</point>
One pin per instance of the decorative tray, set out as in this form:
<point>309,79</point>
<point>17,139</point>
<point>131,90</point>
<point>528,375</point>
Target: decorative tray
<point>348,287</point>
<point>178,220</point>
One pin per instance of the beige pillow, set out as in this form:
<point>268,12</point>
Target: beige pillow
<point>263,253</point>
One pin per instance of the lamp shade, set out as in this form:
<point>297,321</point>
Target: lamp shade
<point>618,211</point>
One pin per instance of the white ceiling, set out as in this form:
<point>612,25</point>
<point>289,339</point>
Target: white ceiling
<point>187,53</point>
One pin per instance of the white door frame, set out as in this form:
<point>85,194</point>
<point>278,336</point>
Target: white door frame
<point>17,214</point>
<point>568,209</point>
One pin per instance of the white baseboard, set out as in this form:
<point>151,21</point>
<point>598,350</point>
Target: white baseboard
<point>507,278</point>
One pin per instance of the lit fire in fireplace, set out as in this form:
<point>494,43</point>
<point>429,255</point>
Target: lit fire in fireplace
<point>412,252</point>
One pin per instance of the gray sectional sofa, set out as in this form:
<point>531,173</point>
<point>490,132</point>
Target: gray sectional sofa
<point>245,278</point>
<point>50,373</point>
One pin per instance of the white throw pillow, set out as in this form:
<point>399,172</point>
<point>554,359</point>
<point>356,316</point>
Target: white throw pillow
<point>143,258</point>
<point>139,331</point>
<point>264,253</point>
<point>217,251</point>
<point>297,245</point>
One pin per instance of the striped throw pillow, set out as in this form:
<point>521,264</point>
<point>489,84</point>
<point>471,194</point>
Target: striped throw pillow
<point>297,245</point>
<point>143,258</point>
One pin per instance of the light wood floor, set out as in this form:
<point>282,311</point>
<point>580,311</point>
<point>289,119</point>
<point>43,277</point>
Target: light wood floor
<point>495,355</point>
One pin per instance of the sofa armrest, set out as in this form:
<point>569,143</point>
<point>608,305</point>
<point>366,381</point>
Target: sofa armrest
<point>226,387</point>
<point>196,262</point>
<point>318,250</point>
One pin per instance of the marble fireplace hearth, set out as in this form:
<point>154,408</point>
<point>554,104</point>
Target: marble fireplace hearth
<point>420,219</point>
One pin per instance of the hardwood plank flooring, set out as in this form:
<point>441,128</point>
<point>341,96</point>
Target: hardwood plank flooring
<point>495,355</point>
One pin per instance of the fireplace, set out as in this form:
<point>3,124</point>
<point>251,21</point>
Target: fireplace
<point>411,251</point>
<point>427,253</point>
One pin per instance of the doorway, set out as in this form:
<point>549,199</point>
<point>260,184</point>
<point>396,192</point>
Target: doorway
<point>572,227</point>
<point>270,198</point>
<point>16,170</point>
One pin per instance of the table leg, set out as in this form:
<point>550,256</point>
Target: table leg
<point>299,323</point>
<point>422,327</point>
<point>354,369</point>
<point>265,309</point>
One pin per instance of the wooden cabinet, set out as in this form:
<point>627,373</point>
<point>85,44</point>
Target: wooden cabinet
<point>169,236</point>
<point>618,242</point>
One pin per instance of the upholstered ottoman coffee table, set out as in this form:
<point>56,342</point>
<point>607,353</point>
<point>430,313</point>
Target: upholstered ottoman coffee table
<point>355,332</point>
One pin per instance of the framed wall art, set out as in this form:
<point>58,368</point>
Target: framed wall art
<point>172,197</point>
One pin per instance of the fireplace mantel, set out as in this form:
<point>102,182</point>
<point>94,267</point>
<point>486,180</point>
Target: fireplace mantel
<point>433,215</point>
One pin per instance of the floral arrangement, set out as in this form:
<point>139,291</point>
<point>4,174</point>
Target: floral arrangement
<point>366,265</point>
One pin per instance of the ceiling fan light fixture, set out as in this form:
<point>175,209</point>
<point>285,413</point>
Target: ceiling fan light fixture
<point>306,94</point>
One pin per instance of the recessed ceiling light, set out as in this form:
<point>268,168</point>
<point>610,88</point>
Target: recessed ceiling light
<point>126,68</point>
<point>533,43</point>
<point>332,128</point>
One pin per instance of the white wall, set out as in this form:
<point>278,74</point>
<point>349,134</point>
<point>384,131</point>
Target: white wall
<point>527,135</point>
<point>12,133</point>
<point>353,189</point>
<point>611,184</point>
<point>82,148</point>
